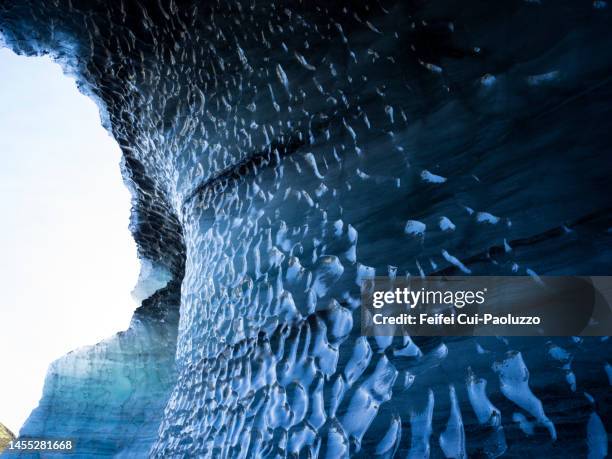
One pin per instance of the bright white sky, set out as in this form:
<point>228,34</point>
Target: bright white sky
<point>67,259</point>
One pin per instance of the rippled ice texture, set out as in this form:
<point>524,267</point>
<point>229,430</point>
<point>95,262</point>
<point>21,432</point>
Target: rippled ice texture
<point>278,153</point>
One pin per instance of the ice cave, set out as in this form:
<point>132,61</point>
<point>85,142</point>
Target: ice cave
<point>280,152</point>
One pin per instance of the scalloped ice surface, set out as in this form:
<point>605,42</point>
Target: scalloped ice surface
<point>277,154</point>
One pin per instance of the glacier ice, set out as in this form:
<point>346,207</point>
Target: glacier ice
<point>151,279</point>
<point>278,153</point>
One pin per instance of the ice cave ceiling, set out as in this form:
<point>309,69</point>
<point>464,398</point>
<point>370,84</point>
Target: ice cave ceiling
<point>277,153</point>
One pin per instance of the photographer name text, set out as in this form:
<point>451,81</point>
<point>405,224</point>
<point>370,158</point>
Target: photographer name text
<point>454,319</point>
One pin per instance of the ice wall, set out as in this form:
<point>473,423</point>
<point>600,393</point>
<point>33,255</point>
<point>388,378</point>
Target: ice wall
<point>280,152</point>
<point>109,398</point>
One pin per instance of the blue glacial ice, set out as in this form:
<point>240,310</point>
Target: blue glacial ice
<point>278,153</point>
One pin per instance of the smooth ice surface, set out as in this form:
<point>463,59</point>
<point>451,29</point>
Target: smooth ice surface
<point>60,190</point>
<point>151,279</point>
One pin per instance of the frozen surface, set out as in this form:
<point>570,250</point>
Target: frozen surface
<point>280,153</point>
<point>152,278</point>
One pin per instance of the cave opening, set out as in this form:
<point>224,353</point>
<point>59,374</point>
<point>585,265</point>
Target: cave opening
<point>68,259</point>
